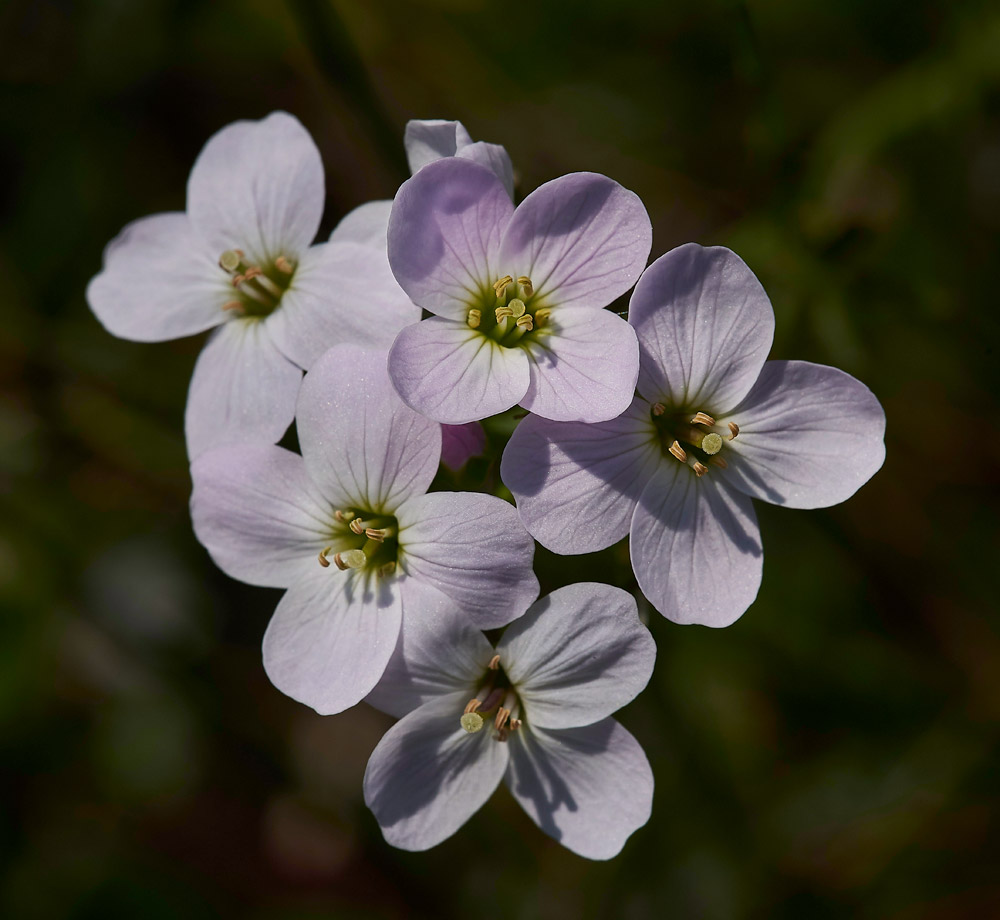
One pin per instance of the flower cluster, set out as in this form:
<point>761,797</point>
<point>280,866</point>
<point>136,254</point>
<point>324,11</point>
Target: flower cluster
<point>662,428</point>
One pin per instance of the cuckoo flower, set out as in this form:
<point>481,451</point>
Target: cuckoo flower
<point>713,425</point>
<point>239,258</point>
<point>517,294</point>
<point>534,711</point>
<point>348,529</point>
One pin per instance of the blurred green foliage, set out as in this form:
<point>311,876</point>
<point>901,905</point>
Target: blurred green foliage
<point>833,754</point>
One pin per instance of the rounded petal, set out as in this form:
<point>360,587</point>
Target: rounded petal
<point>473,548</point>
<point>452,374</point>
<point>810,436</point>
<point>577,655</point>
<point>242,390</point>
<point>495,158</point>
<point>705,326</point>
<point>444,234</point>
<point>361,445</point>
<point>582,239</point>
<point>340,293</point>
<point>585,369</point>
<point>459,443</point>
<point>367,225</point>
<point>258,186</point>
<point>695,547</point>
<point>576,485</point>
<point>331,637</point>
<point>428,776</point>
<point>430,139</point>
<point>439,651</point>
<point>158,282</point>
<point>589,788</point>
<point>258,514</point>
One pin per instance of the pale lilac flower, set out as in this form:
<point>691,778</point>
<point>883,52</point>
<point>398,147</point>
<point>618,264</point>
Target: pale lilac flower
<point>239,258</point>
<point>348,529</point>
<point>713,425</point>
<point>518,294</point>
<point>534,711</point>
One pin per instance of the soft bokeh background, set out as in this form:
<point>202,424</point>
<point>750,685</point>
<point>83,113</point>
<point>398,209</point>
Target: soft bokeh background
<point>833,754</point>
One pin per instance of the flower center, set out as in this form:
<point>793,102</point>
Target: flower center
<point>258,287</point>
<point>692,438</point>
<point>509,311</point>
<point>363,540</point>
<point>495,698</point>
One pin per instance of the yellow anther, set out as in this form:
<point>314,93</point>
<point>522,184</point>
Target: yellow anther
<point>343,566</point>
<point>500,286</point>
<point>702,418</point>
<point>525,322</point>
<point>344,516</point>
<point>658,409</point>
<point>386,570</point>
<point>378,534</point>
<point>358,526</point>
<point>502,313</point>
<point>502,715</point>
<point>473,705</point>
<point>283,265</point>
<point>527,288</point>
<point>323,561</point>
<point>494,663</point>
<point>678,451</point>
<point>542,316</point>
<point>516,308</point>
<point>252,272</point>
<point>734,430</point>
<point>515,724</point>
<point>474,318</point>
<point>699,468</point>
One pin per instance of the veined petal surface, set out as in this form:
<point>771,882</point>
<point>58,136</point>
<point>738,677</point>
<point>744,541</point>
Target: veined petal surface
<point>705,327</point>
<point>577,655</point>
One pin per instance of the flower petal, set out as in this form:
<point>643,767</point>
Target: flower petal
<point>589,788</point>
<point>367,224</point>
<point>361,445</point>
<point>452,374</point>
<point>577,655</point>
<point>495,158</point>
<point>340,293</point>
<point>444,234</point>
<point>585,369</point>
<point>810,436</point>
<point>695,547</point>
<point>576,485</point>
<point>430,139</point>
<point>258,186</point>
<point>705,326</point>
<point>331,637</point>
<point>258,514</point>
<point>439,651</point>
<point>158,282</point>
<point>459,443</point>
<point>428,776</point>
<point>242,390</point>
<point>473,548</point>
<point>582,239</point>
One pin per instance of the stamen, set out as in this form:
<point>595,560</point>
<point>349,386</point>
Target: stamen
<point>500,286</point>
<point>351,559</point>
<point>343,566</point>
<point>711,443</point>
<point>702,418</point>
<point>233,305</point>
<point>323,561</point>
<point>525,322</point>
<point>517,308</point>
<point>494,663</point>
<point>502,715</point>
<point>734,430</point>
<point>525,286</point>
<point>515,724</point>
<point>268,284</point>
<point>658,409</point>
<point>502,312</point>
<point>718,461</point>
<point>472,705</point>
<point>344,516</point>
<point>699,468</point>
<point>474,318</point>
<point>386,570</point>
<point>379,534</point>
<point>283,265</point>
<point>472,722</point>
<point>358,526</point>
<point>678,451</point>
<point>542,316</point>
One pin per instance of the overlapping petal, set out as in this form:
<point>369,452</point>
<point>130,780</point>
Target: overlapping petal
<point>459,443</point>
<point>582,239</point>
<point>340,293</point>
<point>331,637</point>
<point>258,186</point>
<point>362,446</point>
<point>432,139</point>
<point>705,327</point>
<point>695,547</point>
<point>243,389</point>
<point>428,776</point>
<point>576,485</point>
<point>577,655</point>
<point>585,370</point>
<point>473,548</point>
<point>444,235</point>
<point>590,787</point>
<point>367,224</point>
<point>451,373</point>
<point>810,436</point>
<point>158,283</point>
<point>258,514</point>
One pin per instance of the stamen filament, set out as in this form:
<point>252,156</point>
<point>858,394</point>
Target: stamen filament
<point>494,663</point>
<point>284,265</point>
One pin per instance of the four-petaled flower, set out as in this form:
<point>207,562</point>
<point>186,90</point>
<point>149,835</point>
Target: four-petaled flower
<point>713,425</point>
<point>534,711</point>
<point>518,294</point>
<point>240,258</point>
<point>348,529</point>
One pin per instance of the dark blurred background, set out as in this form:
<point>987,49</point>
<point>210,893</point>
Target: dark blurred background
<point>832,754</point>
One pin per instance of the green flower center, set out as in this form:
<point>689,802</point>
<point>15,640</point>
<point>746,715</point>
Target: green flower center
<point>692,438</point>
<point>495,702</point>
<point>257,288</point>
<point>364,541</point>
<point>510,312</point>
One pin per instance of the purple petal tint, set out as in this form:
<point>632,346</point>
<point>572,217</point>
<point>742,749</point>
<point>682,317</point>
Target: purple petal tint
<point>577,655</point>
<point>460,443</point>
<point>451,373</point>
<point>243,389</point>
<point>705,327</point>
<point>695,547</point>
<point>433,139</point>
<point>361,444</point>
<point>444,234</point>
<point>258,186</point>
<point>582,239</point>
<point>590,787</point>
